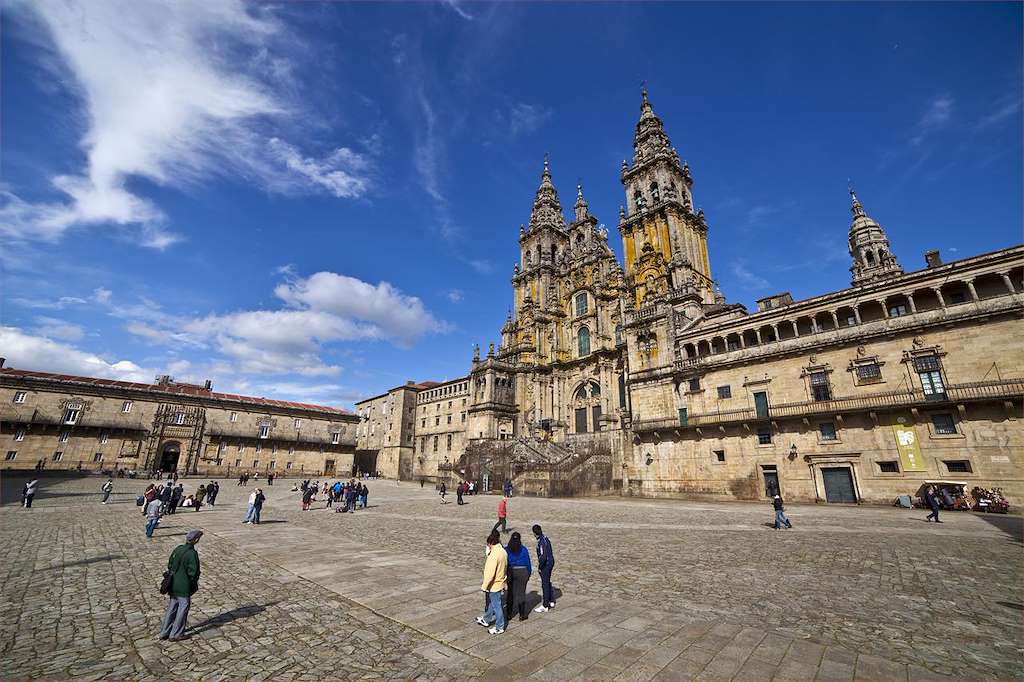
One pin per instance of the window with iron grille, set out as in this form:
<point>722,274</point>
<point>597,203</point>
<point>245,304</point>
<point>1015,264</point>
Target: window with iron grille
<point>926,363</point>
<point>944,424</point>
<point>98,457</point>
<point>958,466</point>
<point>126,407</point>
<point>11,454</point>
<point>724,392</point>
<point>265,431</point>
<point>891,467</point>
<point>71,415</point>
<point>19,397</point>
<point>581,304</point>
<point>820,389</point>
<point>764,436</point>
<point>694,384</point>
<point>58,456</point>
<point>868,373</point>
<point>827,431</point>
<point>19,435</point>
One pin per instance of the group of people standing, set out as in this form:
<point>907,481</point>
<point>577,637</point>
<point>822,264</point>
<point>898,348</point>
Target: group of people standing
<point>341,496</point>
<point>508,569</point>
<point>159,500</point>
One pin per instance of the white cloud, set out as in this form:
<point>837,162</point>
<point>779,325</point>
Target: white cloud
<point>526,118</point>
<point>456,6</point>
<point>101,295</point>
<point>174,93</point>
<point>25,351</point>
<point>746,278</point>
<point>58,329</point>
<point>1002,109</point>
<point>936,116</point>
<point>455,295</point>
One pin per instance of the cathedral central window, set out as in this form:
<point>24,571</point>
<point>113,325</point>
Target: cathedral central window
<point>581,304</point>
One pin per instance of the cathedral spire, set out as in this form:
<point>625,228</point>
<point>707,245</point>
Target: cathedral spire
<point>869,247</point>
<point>547,209</point>
<point>650,140</point>
<point>582,211</point>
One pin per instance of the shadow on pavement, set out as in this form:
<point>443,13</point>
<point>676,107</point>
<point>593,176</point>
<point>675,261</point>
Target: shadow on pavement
<point>229,616</point>
<point>83,562</point>
<point>263,523</point>
<point>1011,525</point>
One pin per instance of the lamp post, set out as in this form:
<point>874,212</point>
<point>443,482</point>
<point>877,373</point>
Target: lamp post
<point>792,452</point>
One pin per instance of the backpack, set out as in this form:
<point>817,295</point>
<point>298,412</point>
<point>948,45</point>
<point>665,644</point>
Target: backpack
<point>165,584</point>
<point>140,500</point>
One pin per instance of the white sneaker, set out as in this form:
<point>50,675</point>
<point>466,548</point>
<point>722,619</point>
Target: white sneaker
<point>481,621</point>
<point>496,631</point>
<point>551,605</point>
<point>540,609</point>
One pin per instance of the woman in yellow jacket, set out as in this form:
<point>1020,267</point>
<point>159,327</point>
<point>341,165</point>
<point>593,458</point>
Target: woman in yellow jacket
<point>495,569</point>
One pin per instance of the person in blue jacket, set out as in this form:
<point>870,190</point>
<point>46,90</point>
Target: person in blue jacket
<point>519,570</point>
<point>545,564</point>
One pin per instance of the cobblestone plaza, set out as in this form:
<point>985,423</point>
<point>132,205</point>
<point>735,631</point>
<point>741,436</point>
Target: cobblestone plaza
<point>662,590</point>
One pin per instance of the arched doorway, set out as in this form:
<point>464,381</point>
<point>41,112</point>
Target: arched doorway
<point>587,407</point>
<point>169,454</point>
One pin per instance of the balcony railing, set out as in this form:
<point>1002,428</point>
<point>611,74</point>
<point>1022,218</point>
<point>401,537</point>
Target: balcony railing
<point>228,433</point>
<point>29,415</point>
<point>970,392</point>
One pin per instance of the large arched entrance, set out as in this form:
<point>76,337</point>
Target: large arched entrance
<point>169,454</point>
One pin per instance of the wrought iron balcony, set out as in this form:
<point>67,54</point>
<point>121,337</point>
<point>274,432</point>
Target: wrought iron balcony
<point>1005,389</point>
<point>87,420</point>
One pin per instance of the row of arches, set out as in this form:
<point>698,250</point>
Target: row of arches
<point>949,294</point>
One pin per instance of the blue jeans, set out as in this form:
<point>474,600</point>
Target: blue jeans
<point>151,526</point>
<point>545,585</point>
<point>256,511</point>
<point>251,514</point>
<point>780,518</point>
<point>494,610</point>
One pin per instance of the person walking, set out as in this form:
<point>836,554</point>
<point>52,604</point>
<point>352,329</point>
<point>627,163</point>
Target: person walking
<point>443,492</point>
<point>780,514</point>
<point>28,493</point>
<point>199,497</point>
<point>148,497</point>
<point>459,490</point>
<point>212,490</point>
<point>545,564</point>
<point>307,498</point>
<point>152,516</point>
<point>175,498</point>
<point>107,489</point>
<point>502,515</point>
<point>365,494</point>
<point>270,479</point>
<point>519,571</point>
<point>933,504</point>
<point>165,497</point>
<point>495,569</point>
<point>183,565</point>
<point>258,505</point>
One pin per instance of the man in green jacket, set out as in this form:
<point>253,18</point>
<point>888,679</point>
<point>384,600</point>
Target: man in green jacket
<point>184,568</point>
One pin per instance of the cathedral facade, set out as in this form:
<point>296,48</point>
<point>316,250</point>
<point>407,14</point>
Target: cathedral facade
<point>860,394</point>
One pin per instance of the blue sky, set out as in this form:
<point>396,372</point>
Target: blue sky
<point>319,201</point>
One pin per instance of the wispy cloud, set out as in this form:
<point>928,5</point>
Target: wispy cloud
<point>58,329</point>
<point>937,116</point>
<point>747,279</point>
<point>456,7</point>
<point>455,295</point>
<point>1002,110</point>
<point>523,118</point>
<point>173,93</point>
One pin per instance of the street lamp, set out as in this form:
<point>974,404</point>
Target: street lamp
<point>792,452</point>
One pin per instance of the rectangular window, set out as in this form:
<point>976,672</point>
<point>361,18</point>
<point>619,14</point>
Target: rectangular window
<point>869,373</point>
<point>891,467</point>
<point>449,404</point>
<point>273,449</point>
<point>435,443</point>
<point>732,344</point>
<point>288,465</point>
<point>463,416</point>
<point>820,390</point>
<point>449,419</point>
<point>694,384</point>
<point>238,462</point>
<point>929,373</point>
<point>233,417</point>
<point>719,455</point>
<point>103,437</point>
<point>241,447</point>
<point>19,435</point>
<point>335,438</point>
<point>98,457</point>
<point>724,392</point>
<point>297,423</point>
<point>423,423</point>
<point>19,397</point>
<point>764,436</point>
<point>58,456</point>
<point>291,451</point>
<point>11,454</point>
<point>827,430</point>
<point>221,447</point>
<point>71,415</point>
<point>63,437</point>
<point>957,297</point>
<point>265,431</point>
<point>273,464</point>
<point>179,418</point>
<point>958,466</point>
<point>897,310</point>
<point>581,304</point>
<point>437,421</point>
<point>944,424</point>
<point>255,464</point>
<point>126,407</point>
<point>449,441</point>
<point>683,419</point>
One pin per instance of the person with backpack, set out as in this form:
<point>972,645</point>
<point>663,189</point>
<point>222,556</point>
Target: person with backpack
<point>107,489</point>
<point>181,582</point>
<point>545,564</point>
<point>780,514</point>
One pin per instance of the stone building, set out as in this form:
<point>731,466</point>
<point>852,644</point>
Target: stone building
<point>860,394</point>
<point>57,421</point>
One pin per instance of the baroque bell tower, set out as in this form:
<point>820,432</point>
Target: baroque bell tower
<point>664,240</point>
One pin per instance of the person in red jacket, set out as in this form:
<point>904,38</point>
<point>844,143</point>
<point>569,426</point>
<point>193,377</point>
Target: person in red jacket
<point>502,515</point>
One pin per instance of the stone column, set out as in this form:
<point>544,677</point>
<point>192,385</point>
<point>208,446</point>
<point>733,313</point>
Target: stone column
<point>796,328</point>
<point>757,333</point>
<point>910,302</point>
<point>775,328</point>
<point>856,314</point>
<point>1008,282</point>
<point>970,288</point>
<point>938,294</point>
<point>885,309</point>
<point>835,319</point>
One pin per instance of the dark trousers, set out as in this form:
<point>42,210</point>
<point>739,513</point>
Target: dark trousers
<point>28,500</point>
<point>934,514</point>
<point>501,522</point>
<point>545,585</point>
<point>516,601</point>
<point>459,495</point>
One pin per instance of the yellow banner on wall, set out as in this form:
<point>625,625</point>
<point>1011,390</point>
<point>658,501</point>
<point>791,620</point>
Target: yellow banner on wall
<point>909,447</point>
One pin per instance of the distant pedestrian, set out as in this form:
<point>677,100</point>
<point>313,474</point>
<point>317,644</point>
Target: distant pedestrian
<point>443,492</point>
<point>241,477</point>
<point>519,571</point>
<point>212,489</point>
<point>148,496</point>
<point>107,489</point>
<point>28,493</point>
<point>502,515</point>
<point>545,564</point>
<point>933,504</point>
<point>350,497</point>
<point>250,513</point>
<point>152,516</point>
<point>459,490</point>
<point>307,498</point>
<point>176,494</point>
<point>365,495</point>
<point>183,566</point>
<point>495,569</point>
<point>165,496</point>
<point>258,504</point>
<point>780,514</point>
<point>199,497</point>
